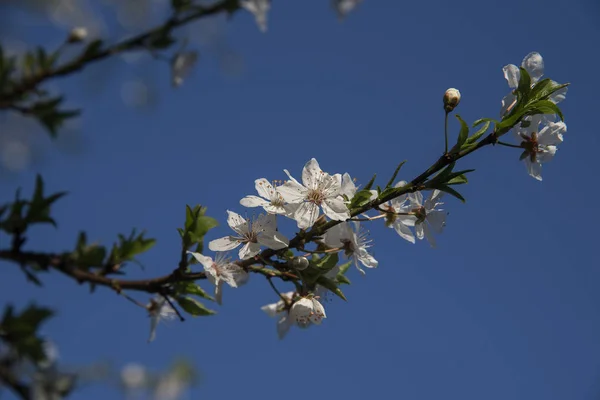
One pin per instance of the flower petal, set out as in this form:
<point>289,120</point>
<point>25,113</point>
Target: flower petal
<point>348,187</point>
<point>419,231</point>
<point>336,209</point>
<point>331,185</point>
<point>292,192</point>
<point>534,169</point>
<point>237,222</point>
<point>429,235</point>
<point>512,75</point>
<point>254,201</point>
<point>283,325</point>
<point>306,215</point>
<point>534,65</point>
<point>206,261</point>
<point>367,259</point>
<point>552,133</point>
<point>404,231</point>
<point>264,188</point>
<point>224,243</point>
<point>312,174</point>
<point>275,240</point>
<point>437,220</point>
<point>249,250</point>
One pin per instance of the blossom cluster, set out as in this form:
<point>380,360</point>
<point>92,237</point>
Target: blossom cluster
<point>320,196</point>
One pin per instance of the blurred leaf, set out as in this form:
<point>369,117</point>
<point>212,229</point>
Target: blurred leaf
<point>193,289</point>
<point>91,49</point>
<point>327,263</point>
<point>19,331</point>
<point>193,306</point>
<point>39,207</point>
<point>369,184</point>
<point>128,247</point>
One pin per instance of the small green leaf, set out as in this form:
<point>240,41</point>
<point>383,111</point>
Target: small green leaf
<point>331,286</point>
<point>394,175</point>
<point>370,183</point>
<point>462,135</point>
<point>361,198</point>
<point>449,190</point>
<point>524,88</point>
<point>458,180</point>
<point>327,263</point>
<point>193,306</point>
<point>475,137</point>
<point>193,289</point>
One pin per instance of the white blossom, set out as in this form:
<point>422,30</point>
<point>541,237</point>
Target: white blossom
<point>159,309</point>
<point>279,310</point>
<point>220,271</point>
<point>539,144</point>
<point>533,63</point>
<point>260,10</point>
<point>354,242</point>
<point>343,7</point>
<point>400,223</point>
<point>181,66</point>
<point>307,310</point>
<point>270,199</point>
<point>426,215</point>
<point>253,234</point>
<point>319,189</point>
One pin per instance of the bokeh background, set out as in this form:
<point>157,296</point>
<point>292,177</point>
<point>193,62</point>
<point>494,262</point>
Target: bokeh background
<point>507,305</point>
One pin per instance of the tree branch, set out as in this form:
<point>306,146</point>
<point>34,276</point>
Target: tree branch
<point>11,381</point>
<point>29,84</point>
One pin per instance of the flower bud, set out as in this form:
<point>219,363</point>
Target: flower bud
<point>451,99</point>
<point>77,35</point>
<point>299,263</point>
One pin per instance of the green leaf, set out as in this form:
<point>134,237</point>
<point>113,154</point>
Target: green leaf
<point>361,198</point>
<point>342,279</point>
<point>39,207</point>
<point>344,267</point>
<point>449,190</point>
<point>482,120</point>
<point>475,137</point>
<point>193,306</point>
<point>193,289</point>
<point>458,180</point>
<point>394,175</point>
<point>369,184</point>
<point>544,107</point>
<point>19,331</point>
<point>327,263</point>
<point>196,226</point>
<point>462,135</point>
<point>524,88</point>
<point>330,285</point>
<point>545,88</point>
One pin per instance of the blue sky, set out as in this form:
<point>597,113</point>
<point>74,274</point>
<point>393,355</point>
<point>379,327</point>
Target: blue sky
<point>506,307</point>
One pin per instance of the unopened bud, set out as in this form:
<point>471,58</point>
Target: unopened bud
<point>77,35</point>
<point>451,99</point>
<point>299,263</point>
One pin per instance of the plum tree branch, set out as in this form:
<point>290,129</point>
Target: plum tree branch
<point>30,83</point>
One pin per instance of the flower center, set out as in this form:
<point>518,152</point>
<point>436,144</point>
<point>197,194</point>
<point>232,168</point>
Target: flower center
<point>531,145</point>
<point>420,213</point>
<point>315,196</point>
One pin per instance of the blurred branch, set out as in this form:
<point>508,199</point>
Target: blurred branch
<point>11,381</point>
<point>30,83</point>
